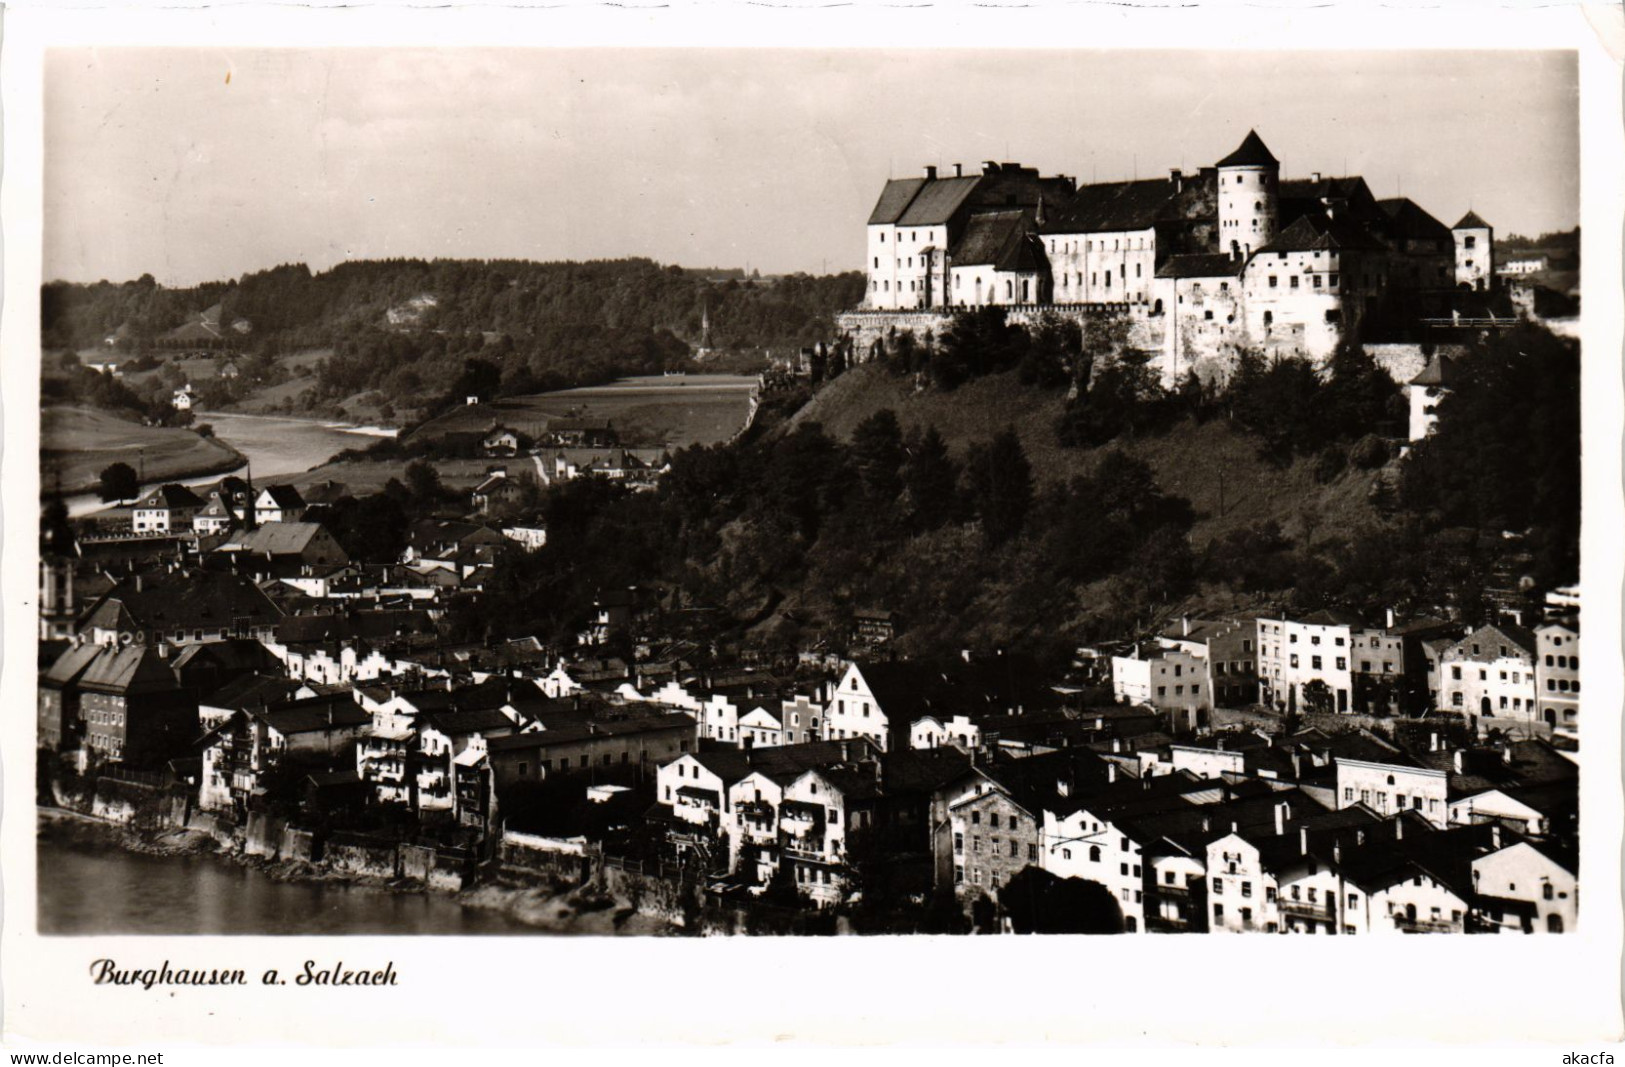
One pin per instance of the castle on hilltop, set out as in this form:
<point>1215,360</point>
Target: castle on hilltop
<point>1205,264</point>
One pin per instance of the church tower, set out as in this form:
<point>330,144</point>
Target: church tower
<point>1249,183</point>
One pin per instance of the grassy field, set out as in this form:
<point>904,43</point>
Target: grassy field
<point>654,411</point>
<point>362,477</point>
<point>1192,460</point>
<point>76,444</point>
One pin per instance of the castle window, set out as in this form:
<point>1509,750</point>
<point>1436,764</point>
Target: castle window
<point>877,262</point>
<point>1314,279</point>
<point>1258,205</point>
<point>1331,281</point>
<point>1208,315</point>
<point>883,238</point>
<point>1224,287</point>
<point>1294,281</point>
<point>1238,179</point>
<point>1269,318</point>
<point>1275,282</point>
<point>1471,242</point>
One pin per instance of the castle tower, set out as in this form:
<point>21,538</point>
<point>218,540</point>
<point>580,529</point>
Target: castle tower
<point>1249,182</point>
<point>1475,252</point>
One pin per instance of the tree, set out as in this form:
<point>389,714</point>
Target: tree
<point>118,483</point>
<point>930,479</point>
<point>877,457</point>
<point>423,482</point>
<point>1000,486</point>
<point>1038,902</point>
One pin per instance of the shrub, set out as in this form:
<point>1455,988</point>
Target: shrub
<point>1330,463</point>
<point>1369,453</point>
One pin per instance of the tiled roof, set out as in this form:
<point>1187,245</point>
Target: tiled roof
<point>169,600</point>
<point>1118,206</point>
<point>131,669</point>
<point>1471,221</point>
<point>276,539</point>
<point>1410,222</point>
<point>938,201</point>
<point>336,711</point>
<point>894,200</point>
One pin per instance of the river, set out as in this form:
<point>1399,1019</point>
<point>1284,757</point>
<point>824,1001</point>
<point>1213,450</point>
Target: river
<point>274,446</point>
<point>87,888</point>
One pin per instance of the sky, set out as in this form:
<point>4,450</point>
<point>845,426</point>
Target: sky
<point>205,164</point>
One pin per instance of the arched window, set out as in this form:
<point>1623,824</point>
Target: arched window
<point>1094,853</point>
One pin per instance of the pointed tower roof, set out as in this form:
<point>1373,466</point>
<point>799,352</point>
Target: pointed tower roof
<point>1252,153</point>
<point>1471,221</point>
<point>1440,371</point>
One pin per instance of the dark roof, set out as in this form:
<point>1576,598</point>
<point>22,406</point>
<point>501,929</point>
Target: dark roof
<point>168,600</point>
<point>938,201</point>
<point>1410,222</point>
<point>1471,221</point>
<point>1319,232</point>
<point>1200,266</point>
<point>570,733</point>
<point>1440,369</point>
<point>1330,617</point>
<point>170,496</point>
<point>331,712</point>
<point>284,496</point>
<point>1250,153</point>
<point>1502,633</point>
<point>251,690</point>
<point>132,669</point>
<point>894,199</point>
<point>472,721</point>
<point>997,238</point>
<point>1113,206</point>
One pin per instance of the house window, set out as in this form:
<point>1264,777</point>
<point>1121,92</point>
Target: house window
<point>1218,887</point>
<point>1094,853</point>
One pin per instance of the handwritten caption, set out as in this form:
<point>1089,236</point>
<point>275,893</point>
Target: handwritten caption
<point>109,972</point>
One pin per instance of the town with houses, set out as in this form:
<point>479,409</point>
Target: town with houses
<point>1320,773</point>
<point>214,660</point>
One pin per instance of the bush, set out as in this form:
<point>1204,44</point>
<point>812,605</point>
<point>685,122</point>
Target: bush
<point>1369,453</point>
<point>1330,463</point>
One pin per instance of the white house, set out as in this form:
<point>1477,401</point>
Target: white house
<point>853,711</point>
<point>1305,661</point>
<point>1488,678</point>
<point>1524,887</point>
<point>1390,788</point>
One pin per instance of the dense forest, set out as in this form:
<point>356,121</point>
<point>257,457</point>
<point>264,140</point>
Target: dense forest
<point>788,529</point>
<point>544,325</point>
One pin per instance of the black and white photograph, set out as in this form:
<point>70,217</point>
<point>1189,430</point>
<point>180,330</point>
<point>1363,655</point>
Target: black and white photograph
<point>573,494</point>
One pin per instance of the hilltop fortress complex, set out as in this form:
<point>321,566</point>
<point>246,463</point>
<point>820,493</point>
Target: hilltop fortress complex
<point>1203,265</point>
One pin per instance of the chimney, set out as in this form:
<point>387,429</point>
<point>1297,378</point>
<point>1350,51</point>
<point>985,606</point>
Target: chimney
<point>1207,824</point>
<point>1460,761</point>
<point>1399,828</point>
<point>1184,626</point>
<point>1337,852</point>
<point>1178,179</point>
<point>1111,773</point>
<point>1303,840</point>
<point>1389,617</point>
<point>1117,744</point>
<point>138,583</point>
<point>846,751</point>
<point>1433,741</point>
<point>1280,819</point>
<point>930,174</point>
<point>1506,753</point>
<point>1359,837</point>
<point>1100,723</point>
<point>959,170</point>
<point>1315,176</point>
<point>1495,836</point>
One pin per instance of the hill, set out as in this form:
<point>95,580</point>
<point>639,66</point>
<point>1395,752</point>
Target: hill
<point>1197,461</point>
<point>76,444</point>
<point>655,411</point>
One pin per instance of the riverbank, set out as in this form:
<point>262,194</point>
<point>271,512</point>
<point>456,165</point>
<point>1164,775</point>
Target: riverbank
<point>544,908</point>
<point>77,444</point>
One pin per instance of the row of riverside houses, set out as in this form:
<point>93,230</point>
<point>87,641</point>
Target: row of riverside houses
<point>1503,677</point>
<point>225,667</point>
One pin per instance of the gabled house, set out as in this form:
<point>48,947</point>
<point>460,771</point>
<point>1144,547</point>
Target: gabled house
<point>279,503</point>
<point>166,509</point>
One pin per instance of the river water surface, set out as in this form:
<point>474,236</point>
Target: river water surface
<point>99,889</point>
